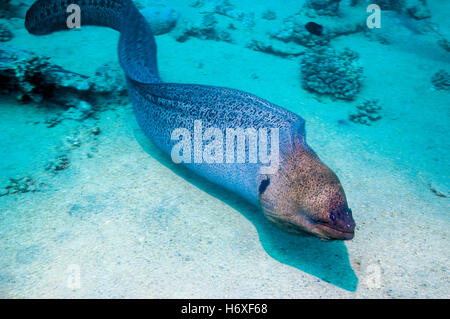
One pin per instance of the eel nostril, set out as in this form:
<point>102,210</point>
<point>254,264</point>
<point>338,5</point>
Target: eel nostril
<point>333,217</point>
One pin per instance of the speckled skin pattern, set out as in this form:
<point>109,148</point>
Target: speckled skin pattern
<point>302,195</point>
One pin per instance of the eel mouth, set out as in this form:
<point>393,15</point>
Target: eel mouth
<point>302,224</point>
<point>328,232</point>
<point>308,226</point>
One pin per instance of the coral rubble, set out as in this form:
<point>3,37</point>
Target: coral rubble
<point>441,80</point>
<point>19,185</point>
<point>269,15</point>
<point>5,33</point>
<point>396,5</point>
<point>31,77</point>
<point>324,7</point>
<point>295,29</point>
<point>445,44</point>
<point>206,30</point>
<point>418,10</point>
<point>59,163</point>
<point>269,47</point>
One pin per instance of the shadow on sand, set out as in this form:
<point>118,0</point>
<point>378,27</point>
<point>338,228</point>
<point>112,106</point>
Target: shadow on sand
<point>327,261</point>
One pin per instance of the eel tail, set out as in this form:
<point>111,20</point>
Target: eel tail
<point>137,46</point>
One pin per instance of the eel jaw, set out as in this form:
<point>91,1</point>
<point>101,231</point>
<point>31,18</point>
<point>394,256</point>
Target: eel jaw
<point>302,224</point>
<point>327,232</point>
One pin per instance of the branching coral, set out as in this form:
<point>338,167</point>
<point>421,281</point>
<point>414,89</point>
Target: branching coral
<point>367,112</point>
<point>328,72</point>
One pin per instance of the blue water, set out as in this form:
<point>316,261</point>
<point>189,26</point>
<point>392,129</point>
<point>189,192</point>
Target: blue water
<point>91,208</point>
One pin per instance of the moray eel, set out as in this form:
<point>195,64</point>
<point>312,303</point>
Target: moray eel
<point>301,195</point>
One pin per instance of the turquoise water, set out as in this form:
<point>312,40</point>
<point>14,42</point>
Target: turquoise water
<point>91,208</point>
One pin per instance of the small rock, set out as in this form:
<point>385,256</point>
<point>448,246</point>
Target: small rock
<point>108,78</point>
<point>445,44</point>
<point>60,163</point>
<point>53,121</point>
<point>206,30</point>
<point>96,130</point>
<point>441,80</point>
<point>161,20</point>
<point>197,4</point>
<point>419,11</point>
<point>74,141</point>
<point>79,112</point>
<point>324,7</point>
<point>269,15</point>
<point>5,34</point>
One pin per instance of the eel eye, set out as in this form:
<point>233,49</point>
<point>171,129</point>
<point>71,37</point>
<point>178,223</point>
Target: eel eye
<point>263,186</point>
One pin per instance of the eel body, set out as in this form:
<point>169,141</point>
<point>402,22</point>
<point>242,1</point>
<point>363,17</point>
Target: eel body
<point>301,194</point>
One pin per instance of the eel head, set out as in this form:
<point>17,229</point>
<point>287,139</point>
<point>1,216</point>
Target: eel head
<point>306,196</point>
